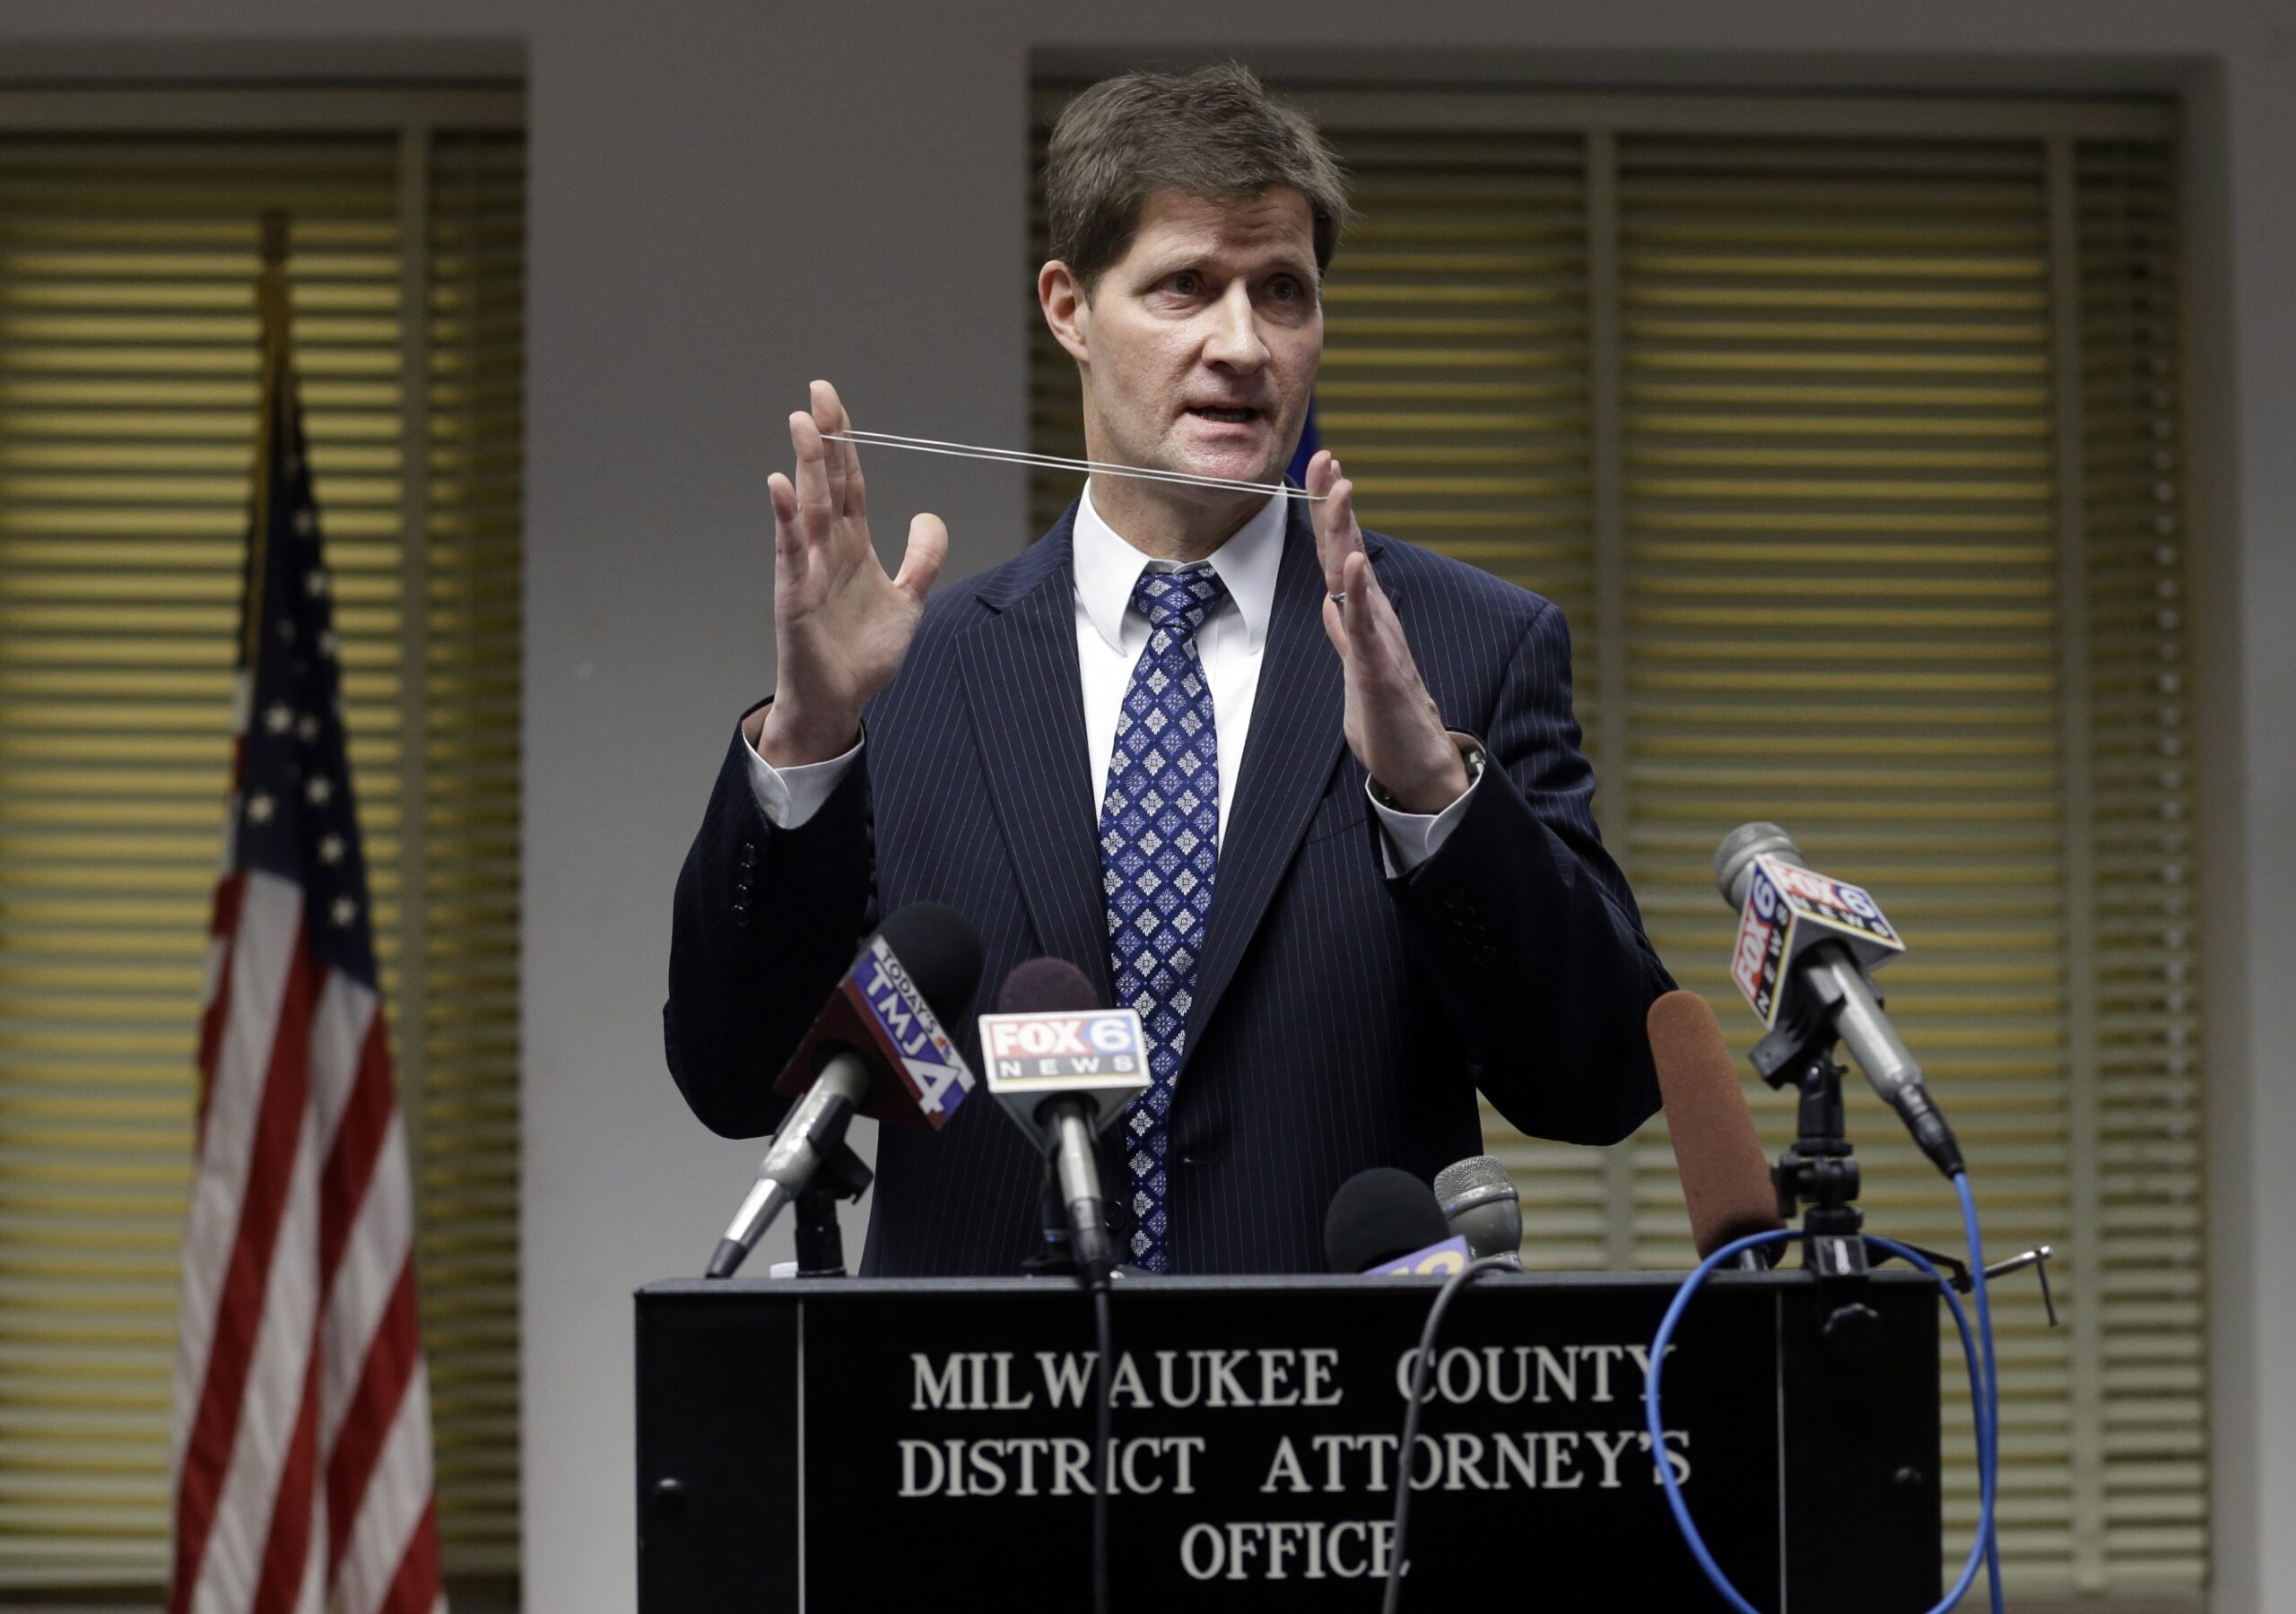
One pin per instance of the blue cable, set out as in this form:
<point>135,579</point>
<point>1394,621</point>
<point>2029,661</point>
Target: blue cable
<point>1990,1456</point>
<point>1984,1404</point>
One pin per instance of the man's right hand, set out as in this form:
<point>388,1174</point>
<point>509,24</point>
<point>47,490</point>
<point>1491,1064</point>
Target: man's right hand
<point>840,624</point>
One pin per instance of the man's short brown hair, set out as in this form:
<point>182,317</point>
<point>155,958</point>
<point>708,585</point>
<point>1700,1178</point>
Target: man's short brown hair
<point>1215,134</point>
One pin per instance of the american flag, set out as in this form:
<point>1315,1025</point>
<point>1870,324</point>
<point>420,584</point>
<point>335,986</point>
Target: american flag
<point>303,1481</point>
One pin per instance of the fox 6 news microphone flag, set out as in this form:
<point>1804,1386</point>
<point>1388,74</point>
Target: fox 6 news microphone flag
<point>302,1479</point>
<point>1789,909</point>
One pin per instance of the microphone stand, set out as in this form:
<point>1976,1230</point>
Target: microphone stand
<point>820,1244</point>
<point>1819,1171</point>
<point>1056,1254</point>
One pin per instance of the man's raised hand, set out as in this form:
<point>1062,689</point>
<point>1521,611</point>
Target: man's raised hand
<point>840,624</point>
<point>1390,720</point>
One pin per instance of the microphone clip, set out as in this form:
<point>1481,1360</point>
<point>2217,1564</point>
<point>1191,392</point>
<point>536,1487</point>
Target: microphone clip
<point>820,1244</point>
<point>1817,1179</point>
<point>1805,1032</point>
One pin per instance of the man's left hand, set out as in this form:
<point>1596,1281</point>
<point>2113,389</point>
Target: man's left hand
<point>1391,722</point>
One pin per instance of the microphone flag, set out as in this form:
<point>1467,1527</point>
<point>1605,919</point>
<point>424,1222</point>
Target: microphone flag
<point>1790,909</point>
<point>1096,1054</point>
<point>1436,1261</point>
<point>879,1006</point>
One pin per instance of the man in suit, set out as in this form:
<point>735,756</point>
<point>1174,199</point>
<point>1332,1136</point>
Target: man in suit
<point>1309,798</point>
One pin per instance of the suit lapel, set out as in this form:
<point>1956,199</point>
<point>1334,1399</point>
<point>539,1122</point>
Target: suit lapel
<point>1023,689</point>
<point>1294,741</point>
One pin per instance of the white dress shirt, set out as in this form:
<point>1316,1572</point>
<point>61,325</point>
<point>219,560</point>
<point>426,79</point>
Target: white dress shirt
<point>1111,632</point>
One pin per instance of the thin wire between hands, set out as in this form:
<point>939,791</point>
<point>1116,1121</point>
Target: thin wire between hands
<point>1054,462</point>
<point>1406,1448</point>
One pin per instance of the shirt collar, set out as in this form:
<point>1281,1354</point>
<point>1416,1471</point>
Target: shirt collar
<point>1106,567</point>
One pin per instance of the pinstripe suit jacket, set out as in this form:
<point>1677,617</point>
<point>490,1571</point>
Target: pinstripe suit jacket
<point>1341,1019</point>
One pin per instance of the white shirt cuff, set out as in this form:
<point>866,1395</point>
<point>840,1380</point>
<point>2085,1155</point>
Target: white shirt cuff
<point>1414,837</point>
<point>788,796</point>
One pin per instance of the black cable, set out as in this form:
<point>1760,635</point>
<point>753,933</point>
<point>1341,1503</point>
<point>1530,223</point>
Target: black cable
<point>1104,1422</point>
<point>1404,1449</point>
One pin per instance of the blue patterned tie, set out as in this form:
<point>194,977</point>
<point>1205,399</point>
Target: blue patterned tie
<point>1159,835</point>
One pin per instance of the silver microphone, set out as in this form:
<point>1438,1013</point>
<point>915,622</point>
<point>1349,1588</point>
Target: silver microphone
<point>1053,1067</point>
<point>1734,859</point>
<point>1480,1202</point>
<point>814,1130</point>
<point>1846,999</point>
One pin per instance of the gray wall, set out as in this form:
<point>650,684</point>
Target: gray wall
<point>728,199</point>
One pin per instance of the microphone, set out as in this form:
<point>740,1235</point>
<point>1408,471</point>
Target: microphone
<point>1063,1067</point>
<point>1479,1201</point>
<point>877,1049</point>
<point>1379,1216</point>
<point>1804,945</point>
<point>1726,1180</point>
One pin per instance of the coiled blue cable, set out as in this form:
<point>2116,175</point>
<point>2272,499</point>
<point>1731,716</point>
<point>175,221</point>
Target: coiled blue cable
<point>1984,1400</point>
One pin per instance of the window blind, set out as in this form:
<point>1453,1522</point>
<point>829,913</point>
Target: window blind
<point>128,374</point>
<point>2145,1377</point>
<point>1841,605</point>
<point>1846,435</point>
<point>1457,384</point>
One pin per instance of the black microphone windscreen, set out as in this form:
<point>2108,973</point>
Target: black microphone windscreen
<point>941,951</point>
<point>1047,986</point>
<point>1379,1215</point>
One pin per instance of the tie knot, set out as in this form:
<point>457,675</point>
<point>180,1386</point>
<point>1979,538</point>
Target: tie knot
<point>1168,597</point>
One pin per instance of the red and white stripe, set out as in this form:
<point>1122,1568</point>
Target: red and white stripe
<point>303,1481</point>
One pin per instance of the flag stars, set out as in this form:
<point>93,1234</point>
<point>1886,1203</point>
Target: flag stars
<point>330,849</point>
<point>260,808</point>
<point>314,583</point>
<point>307,728</point>
<point>319,790</point>
<point>306,523</point>
<point>343,911</point>
<point>278,717</point>
<point>326,641</point>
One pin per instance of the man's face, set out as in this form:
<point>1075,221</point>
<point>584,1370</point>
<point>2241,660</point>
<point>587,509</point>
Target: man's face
<point>1199,346</point>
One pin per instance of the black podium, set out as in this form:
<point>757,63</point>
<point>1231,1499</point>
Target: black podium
<point>835,1446</point>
